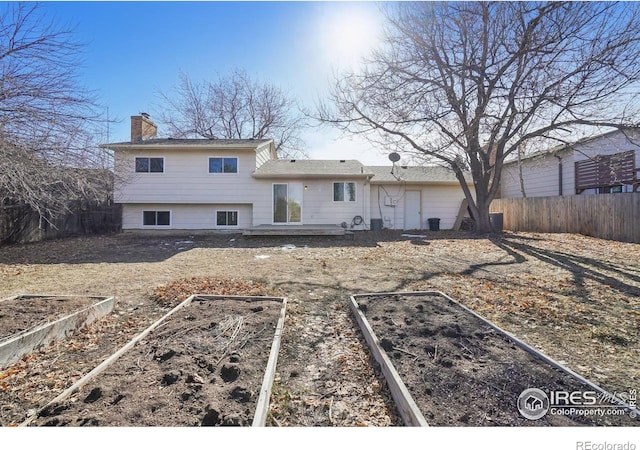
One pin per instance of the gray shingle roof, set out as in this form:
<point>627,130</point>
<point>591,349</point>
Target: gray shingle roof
<point>540,154</point>
<point>191,142</point>
<point>311,168</point>
<point>307,168</point>
<point>413,174</point>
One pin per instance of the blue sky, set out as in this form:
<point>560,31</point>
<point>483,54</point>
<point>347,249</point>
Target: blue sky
<point>133,50</point>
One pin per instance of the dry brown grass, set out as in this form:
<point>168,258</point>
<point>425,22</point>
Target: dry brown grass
<point>575,298</point>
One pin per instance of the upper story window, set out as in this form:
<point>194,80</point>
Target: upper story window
<point>223,165</point>
<point>344,192</point>
<point>150,165</point>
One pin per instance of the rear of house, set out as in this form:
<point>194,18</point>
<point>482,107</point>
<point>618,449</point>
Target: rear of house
<point>235,184</point>
<point>313,192</point>
<point>405,198</point>
<point>188,187</point>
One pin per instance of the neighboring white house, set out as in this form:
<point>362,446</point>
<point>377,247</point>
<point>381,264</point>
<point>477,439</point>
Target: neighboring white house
<point>222,184</point>
<point>602,164</point>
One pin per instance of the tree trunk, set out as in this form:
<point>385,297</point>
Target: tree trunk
<point>480,209</point>
<point>483,221</point>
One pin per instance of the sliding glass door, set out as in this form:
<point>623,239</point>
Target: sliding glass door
<point>287,203</point>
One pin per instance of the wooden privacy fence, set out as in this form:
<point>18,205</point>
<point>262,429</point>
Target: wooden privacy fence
<point>607,216</point>
<point>20,223</point>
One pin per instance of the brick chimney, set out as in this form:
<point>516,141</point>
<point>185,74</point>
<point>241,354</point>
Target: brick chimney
<point>142,128</point>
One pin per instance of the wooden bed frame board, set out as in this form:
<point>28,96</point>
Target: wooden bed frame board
<point>26,342</point>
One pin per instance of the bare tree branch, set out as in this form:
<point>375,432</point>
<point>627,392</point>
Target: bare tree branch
<point>234,107</point>
<point>474,82</point>
<point>48,124</point>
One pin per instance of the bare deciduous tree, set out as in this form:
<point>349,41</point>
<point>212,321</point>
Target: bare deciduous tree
<point>478,80</point>
<point>234,107</point>
<point>47,135</point>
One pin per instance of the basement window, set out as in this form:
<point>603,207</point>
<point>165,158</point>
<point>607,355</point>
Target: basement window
<point>344,192</point>
<point>227,218</point>
<point>150,165</point>
<point>223,165</point>
<point>156,218</point>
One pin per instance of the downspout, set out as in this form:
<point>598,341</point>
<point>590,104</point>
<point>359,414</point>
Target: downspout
<point>366,204</point>
<point>559,175</point>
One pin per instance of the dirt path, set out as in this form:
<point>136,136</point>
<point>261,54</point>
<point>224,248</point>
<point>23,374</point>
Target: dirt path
<point>573,297</point>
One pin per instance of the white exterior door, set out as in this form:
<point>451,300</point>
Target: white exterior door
<point>412,211</point>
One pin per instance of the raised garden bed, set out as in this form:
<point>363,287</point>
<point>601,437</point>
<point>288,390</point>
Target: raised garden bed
<point>27,322</point>
<point>210,361</point>
<point>447,366</point>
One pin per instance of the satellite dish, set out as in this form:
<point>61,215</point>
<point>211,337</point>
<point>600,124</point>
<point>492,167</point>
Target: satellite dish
<point>394,157</point>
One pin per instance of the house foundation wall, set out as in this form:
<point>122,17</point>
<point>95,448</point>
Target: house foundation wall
<point>186,216</point>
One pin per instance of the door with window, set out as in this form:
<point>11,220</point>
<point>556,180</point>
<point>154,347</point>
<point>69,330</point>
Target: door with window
<point>287,203</point>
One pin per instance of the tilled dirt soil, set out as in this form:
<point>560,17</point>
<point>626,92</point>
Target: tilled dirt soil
<point>202,366</point>
<point>461,371</point>
<point>573,297</point>
<point>24,313</point>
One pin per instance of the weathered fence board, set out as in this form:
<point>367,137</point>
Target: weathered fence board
<point>19,223</point>
<point>607,216</point>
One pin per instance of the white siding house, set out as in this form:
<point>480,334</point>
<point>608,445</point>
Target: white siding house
<point>331,191</point>
<point>234,184</point>
<point>406,198</point>
<point>187,216</point>
<point>553,172</point>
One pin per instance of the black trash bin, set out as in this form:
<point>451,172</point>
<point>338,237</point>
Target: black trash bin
<point>434,224</point>
<point>496,220</point>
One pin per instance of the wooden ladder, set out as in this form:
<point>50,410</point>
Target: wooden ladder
<point>461,213</point>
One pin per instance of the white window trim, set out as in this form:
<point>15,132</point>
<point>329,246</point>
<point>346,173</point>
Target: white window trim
<point>227,211</point>
<point>164,165</point>
<point>355,185</point>
<point>228,174</point>
<point>161,227</point>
